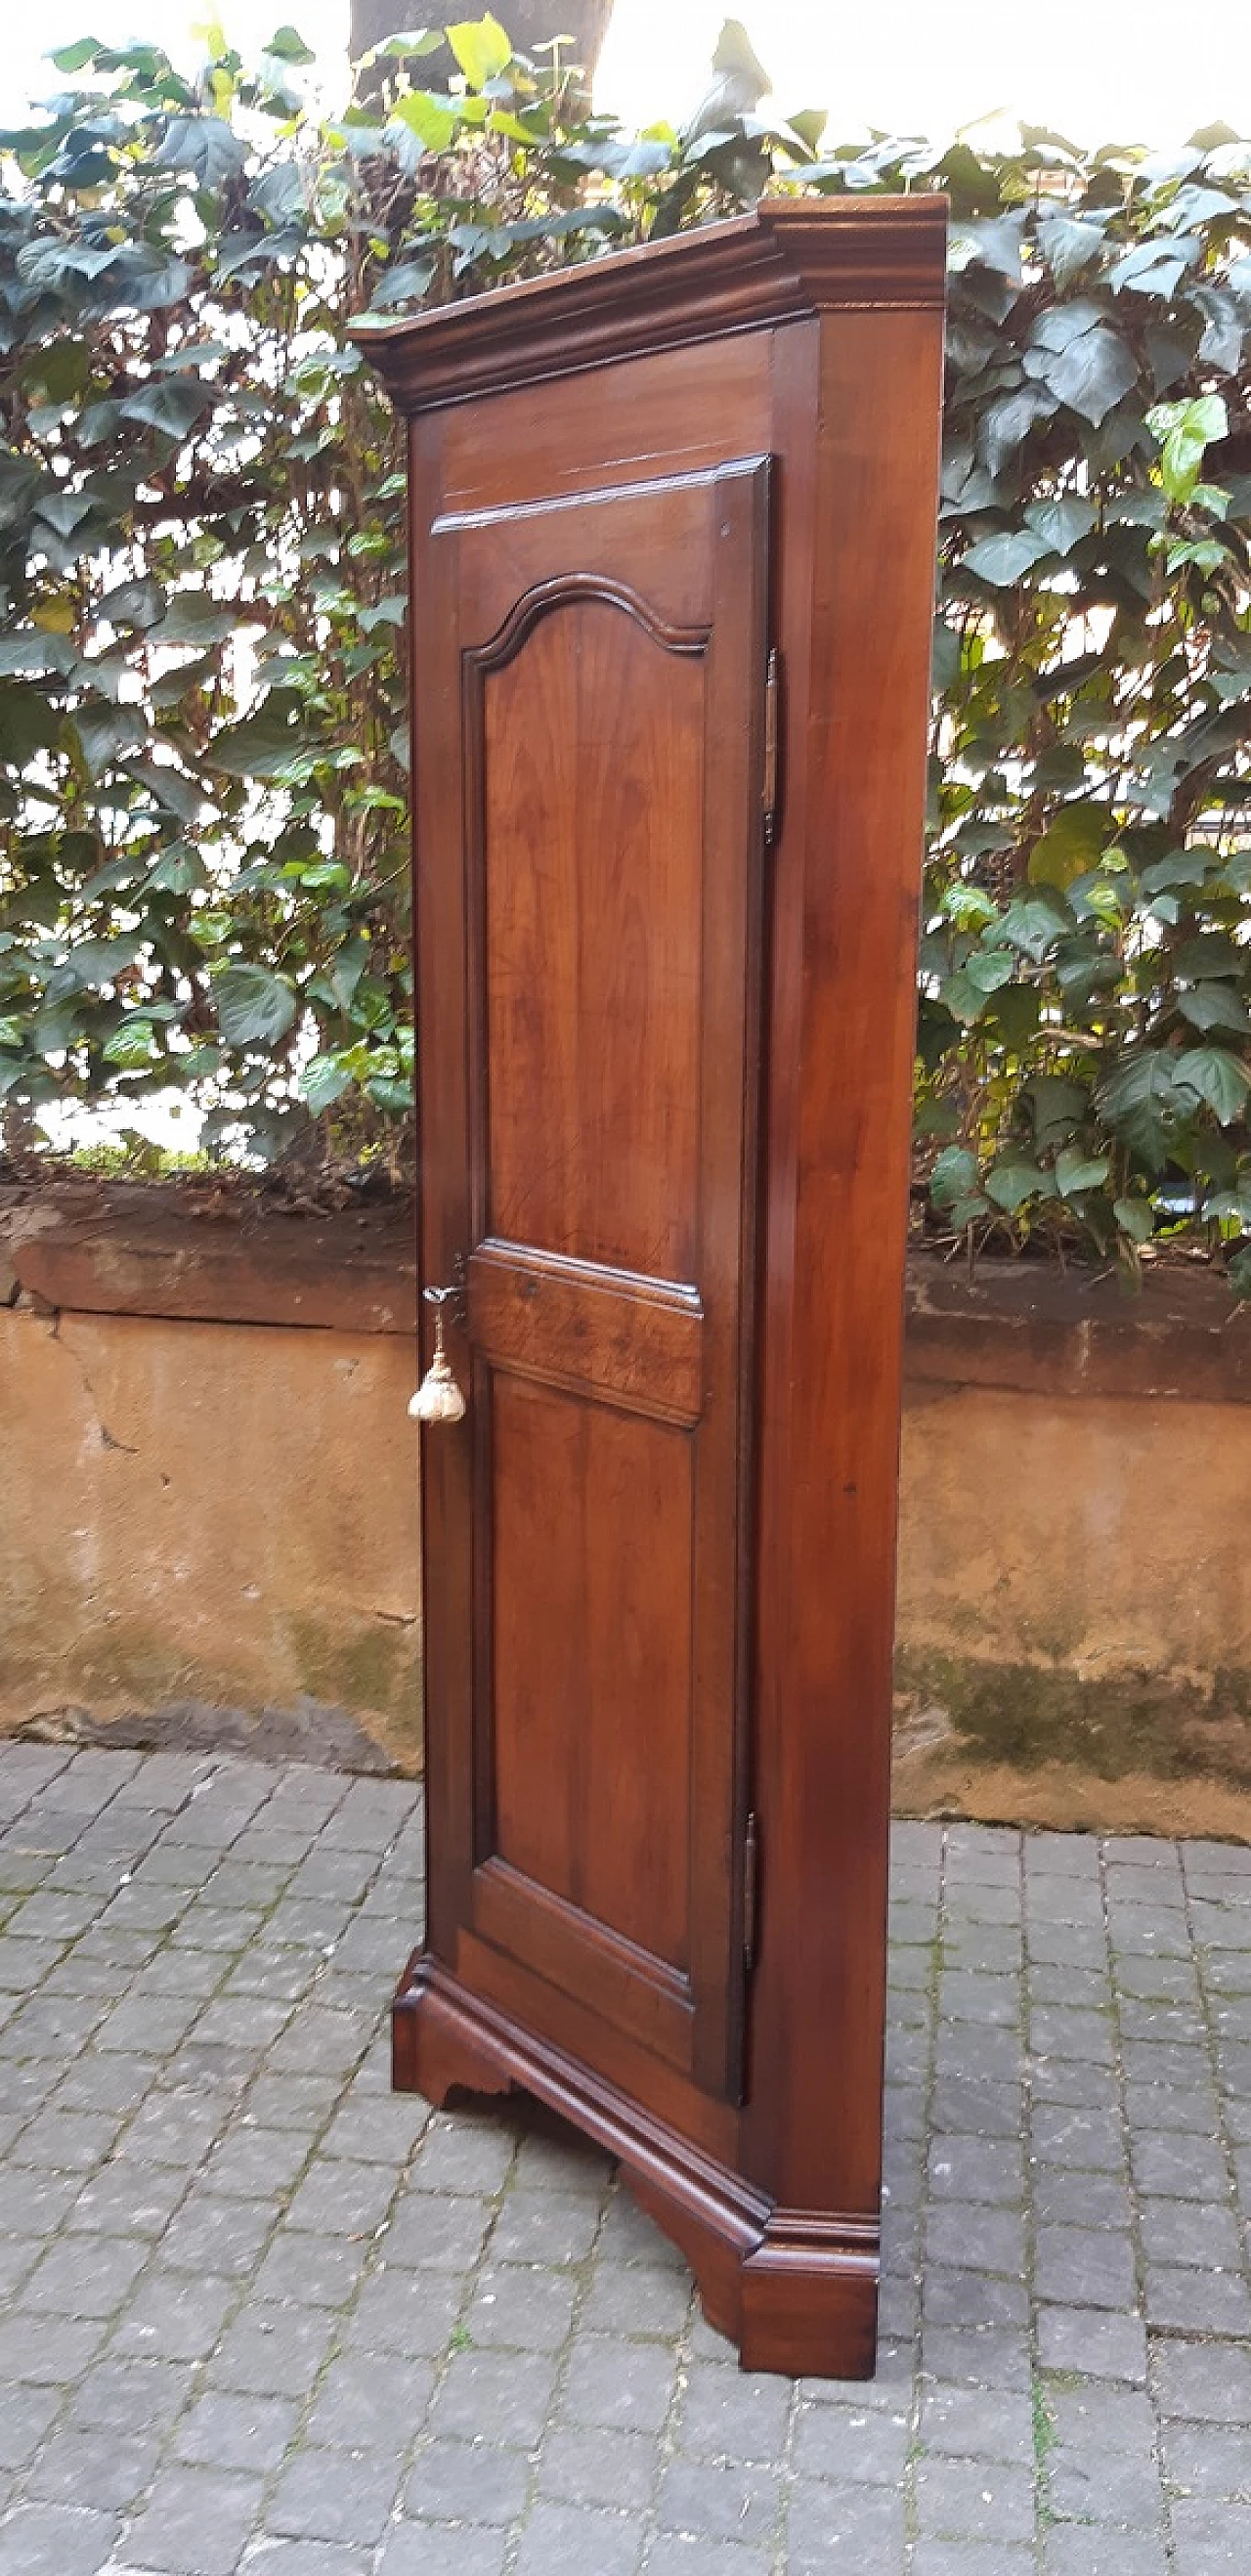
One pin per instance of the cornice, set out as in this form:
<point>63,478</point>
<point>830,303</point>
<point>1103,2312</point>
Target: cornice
<point>788,260</point>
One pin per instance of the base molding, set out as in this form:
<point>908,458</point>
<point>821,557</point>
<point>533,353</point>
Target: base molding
<point>796,2290</point>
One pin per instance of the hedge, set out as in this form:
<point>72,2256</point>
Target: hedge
<point>203,780</point>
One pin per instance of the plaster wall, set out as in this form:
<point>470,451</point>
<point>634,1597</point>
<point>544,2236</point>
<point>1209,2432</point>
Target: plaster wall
<point>221,1512</point>
<point>228,1513</point>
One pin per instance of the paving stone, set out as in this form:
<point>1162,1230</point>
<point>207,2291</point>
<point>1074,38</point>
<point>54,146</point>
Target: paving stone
<point>105,2471</point>
<point>1189,2168</point>
<point>993,2357</point>
<point>1086,2266</point>
<point>569,2540</point>
<point>474,2481</point>
<point>983,2239</point>
<point>975,2500</point>
<point>25,2416</point>
<point>977,2169</point>
<point>851,2445</point>
<point>952,2298</point>
<point>1209,2539</point>
<point>173,2316</point>
<point>487,2389</point>
<point>544,2227</point>
<point>353,2295</point>
<point>89,2279</point>
<point>1061,2134</point>
<point>194,2522</point>
<point>527,2307</point>
<point>839,2527</point>
<point>437,2233</point>
<point>1208,2460</point>
<point>228,2431</point>
<point>334,2495</point>
<point>55,2540</point>
<point>1209,2383</point>
<point>46,2351</point>
<point>979,2424</point>
<point>431,2549</point>
<point>1089,2340</point>
<point>1071,2549</point>
<point>273,2350</point>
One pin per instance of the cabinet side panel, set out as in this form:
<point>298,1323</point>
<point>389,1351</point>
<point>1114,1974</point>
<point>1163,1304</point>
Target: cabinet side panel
<point>857,557</point>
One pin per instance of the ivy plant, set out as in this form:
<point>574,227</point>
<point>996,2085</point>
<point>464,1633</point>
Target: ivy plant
<point>203,758</point>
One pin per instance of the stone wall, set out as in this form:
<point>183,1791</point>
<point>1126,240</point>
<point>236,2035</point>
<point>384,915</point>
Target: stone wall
<point>210,1496</point>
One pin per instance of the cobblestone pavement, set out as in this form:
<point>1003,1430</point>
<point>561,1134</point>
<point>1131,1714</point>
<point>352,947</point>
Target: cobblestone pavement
<point>255,2314</point>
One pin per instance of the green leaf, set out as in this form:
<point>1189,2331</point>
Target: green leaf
<point>1012,1182</point>
<point>132,1044</point>
<point>324,1081</point>
<point>1078,835</point>
<point>432,119</point>
<point>1185,429</point>
<point>205,146</point>
<point>1213,1006</point>
<point>988,968</point>
<point>253,1005</point>
<point>1069,244</point>
<point>1238,1272</point>
<point>1090,372</point>
<point>288,46</point>
<point>955,1173</point>
<point>1003,559</point>
<point>481,48</point>
<point>1217,1077</point>
<point>1135,1218</point>
<point>1033,923</point>
<point>172,404</point>
<point>1076,1171</point>
<point>1061,522</point>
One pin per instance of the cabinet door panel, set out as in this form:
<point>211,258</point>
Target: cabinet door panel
<point>609,654</point>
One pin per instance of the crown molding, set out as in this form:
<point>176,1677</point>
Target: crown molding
<point>788,260</point>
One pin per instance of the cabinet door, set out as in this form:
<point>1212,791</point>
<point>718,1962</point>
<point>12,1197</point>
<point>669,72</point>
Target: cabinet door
<point>590,747</point>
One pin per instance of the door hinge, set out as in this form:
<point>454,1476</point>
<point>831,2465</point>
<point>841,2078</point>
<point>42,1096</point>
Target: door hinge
<point>751,1882</point>
<point>769,791</point>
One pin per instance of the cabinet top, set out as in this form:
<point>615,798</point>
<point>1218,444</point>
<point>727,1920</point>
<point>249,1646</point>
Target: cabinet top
<point>791,258</point>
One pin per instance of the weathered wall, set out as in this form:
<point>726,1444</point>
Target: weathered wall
<point>1075,1594</point>
<point>225,1512</point>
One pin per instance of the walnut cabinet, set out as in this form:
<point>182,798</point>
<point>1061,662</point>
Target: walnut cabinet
<point>672,535</point>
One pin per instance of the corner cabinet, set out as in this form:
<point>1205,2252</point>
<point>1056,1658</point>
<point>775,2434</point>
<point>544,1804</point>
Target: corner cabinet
<point>672,539</point>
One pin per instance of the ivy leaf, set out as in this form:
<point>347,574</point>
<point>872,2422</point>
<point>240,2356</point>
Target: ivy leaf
<point>1004,558</point>
<point>1063,521</point>
<point>954,1175</point>
<point>254,1006</point>
<point>172,404</point>
<point>205,146</point>
<point>1011,1183</point>
<point>1213,1006</point>
<point>431,118</point>
<point>323,1081</point>
<point>481,48</point>
<point>1217,1077</point>
<point>1072,843</point>
<point>1135,1218</point>
<point>1069,244</point>
<point>288,46</point>
<point>1076,1171</point>
<point>1155,267</point>
<point>1090,371</point>
<point>1034,924</point>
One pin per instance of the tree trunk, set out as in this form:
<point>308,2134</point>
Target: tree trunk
<point>529,23</point>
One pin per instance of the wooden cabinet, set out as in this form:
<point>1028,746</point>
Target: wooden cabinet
<point>672,557</point>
